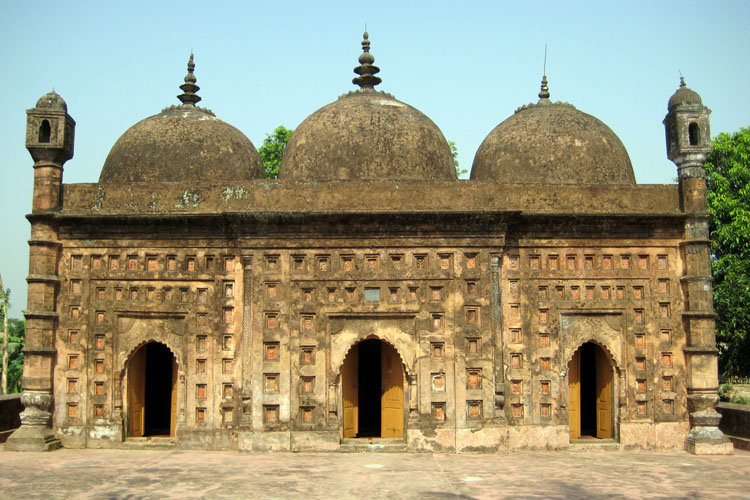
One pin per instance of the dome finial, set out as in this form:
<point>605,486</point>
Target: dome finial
<point>544,93</point>
<point>366,70</point>
<point>189,98</point>
<point>682,80</point>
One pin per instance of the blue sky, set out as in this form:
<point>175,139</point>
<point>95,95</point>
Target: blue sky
<point>467,66</point>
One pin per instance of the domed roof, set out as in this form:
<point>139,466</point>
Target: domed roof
<point>52,101</point>
<point>183,143</point>
<point>367,134</point>
<point>684,95</point>
<point>552,143</point>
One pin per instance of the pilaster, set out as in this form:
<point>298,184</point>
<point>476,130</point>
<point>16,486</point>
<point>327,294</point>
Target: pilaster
<point>698,317</point>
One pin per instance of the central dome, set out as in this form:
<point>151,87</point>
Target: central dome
<point>183,143</point>
<point>552,143</point>
<point>367,134</point>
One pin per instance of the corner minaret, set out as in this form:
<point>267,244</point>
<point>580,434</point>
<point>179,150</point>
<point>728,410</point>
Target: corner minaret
<point>688,145</point>
<point>688,141</point>
<point>49,139</point>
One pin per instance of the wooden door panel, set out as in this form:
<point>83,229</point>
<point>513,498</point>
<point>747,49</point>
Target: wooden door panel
<point>137,393</point>
<point>574,396</point>
<point>603,396</point>
<point>392,400</point>
<point>350,392</point>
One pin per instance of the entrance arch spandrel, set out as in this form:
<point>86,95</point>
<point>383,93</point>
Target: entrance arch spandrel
<point>346,331</point>
<point>134,331</point>
<point>577,328</point>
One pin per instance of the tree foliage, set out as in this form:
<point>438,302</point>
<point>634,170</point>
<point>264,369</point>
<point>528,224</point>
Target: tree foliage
<point>454,152</point>
<point>17,331</point>
<point>273,149</point>
<point>11,354</point>
<point>728,178</point>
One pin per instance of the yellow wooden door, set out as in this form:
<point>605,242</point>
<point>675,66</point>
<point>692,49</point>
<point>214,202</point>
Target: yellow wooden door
<point>137,393</point>
<point>603,396</point>
<point>173,410</point>
<point>392,399</point>
<point>574,396</point>
<point>350,392</point>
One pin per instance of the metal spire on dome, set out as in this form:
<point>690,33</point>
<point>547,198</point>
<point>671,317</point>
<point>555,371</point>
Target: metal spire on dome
<point>366,70</point>
<point>189,98</point>
<point>544,93</point>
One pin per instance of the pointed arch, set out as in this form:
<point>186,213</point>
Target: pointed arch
<point>137,347</point>
<point>372,378</point>
<point>385,330</point>
<point>149,389</point>
<point>136,330</point>
<point>337,369</point>
<point>592,385</point>
<point>607,352</point>
<point>604,329</point>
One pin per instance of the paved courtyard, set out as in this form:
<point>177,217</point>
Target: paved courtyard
<point>167,474</point>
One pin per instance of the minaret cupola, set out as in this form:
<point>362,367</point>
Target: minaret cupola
<point>687,126</point>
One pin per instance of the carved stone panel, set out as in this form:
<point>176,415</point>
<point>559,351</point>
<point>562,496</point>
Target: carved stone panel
<point>398,331</point>
<point>603,328</point>
<point>134,330</point>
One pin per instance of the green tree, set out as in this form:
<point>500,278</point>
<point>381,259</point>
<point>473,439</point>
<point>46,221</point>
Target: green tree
<point>4,295</point>
<point>273,149</point>
<point>11,351</point>
<point>17,330</point>
<point>728,182</point>
<point>454,152</point>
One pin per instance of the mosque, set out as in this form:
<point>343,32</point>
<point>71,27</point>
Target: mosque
<point>367,298</point>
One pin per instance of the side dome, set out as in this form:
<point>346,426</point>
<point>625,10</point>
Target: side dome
<point>367,134</point>
<point>684,95</point>
<point>52,100</point>
<point>183,143</point>
<point>552,143</point>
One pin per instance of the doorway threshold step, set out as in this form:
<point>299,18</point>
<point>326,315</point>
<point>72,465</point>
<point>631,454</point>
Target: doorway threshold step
<point>150,443</point>
<point>373,445</point>
<point>594,445</point>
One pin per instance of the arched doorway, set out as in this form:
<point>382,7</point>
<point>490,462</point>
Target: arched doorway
<point>152,391</point>
<point>372,379</point>
<point>590,393</point>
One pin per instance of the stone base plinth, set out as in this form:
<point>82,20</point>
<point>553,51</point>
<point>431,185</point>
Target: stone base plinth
<point>538,437</point>
<point>314,441</point>
<point>709,447</point>
<point>708,441</point>
<point>32,438</point>
<point>264,441</point>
